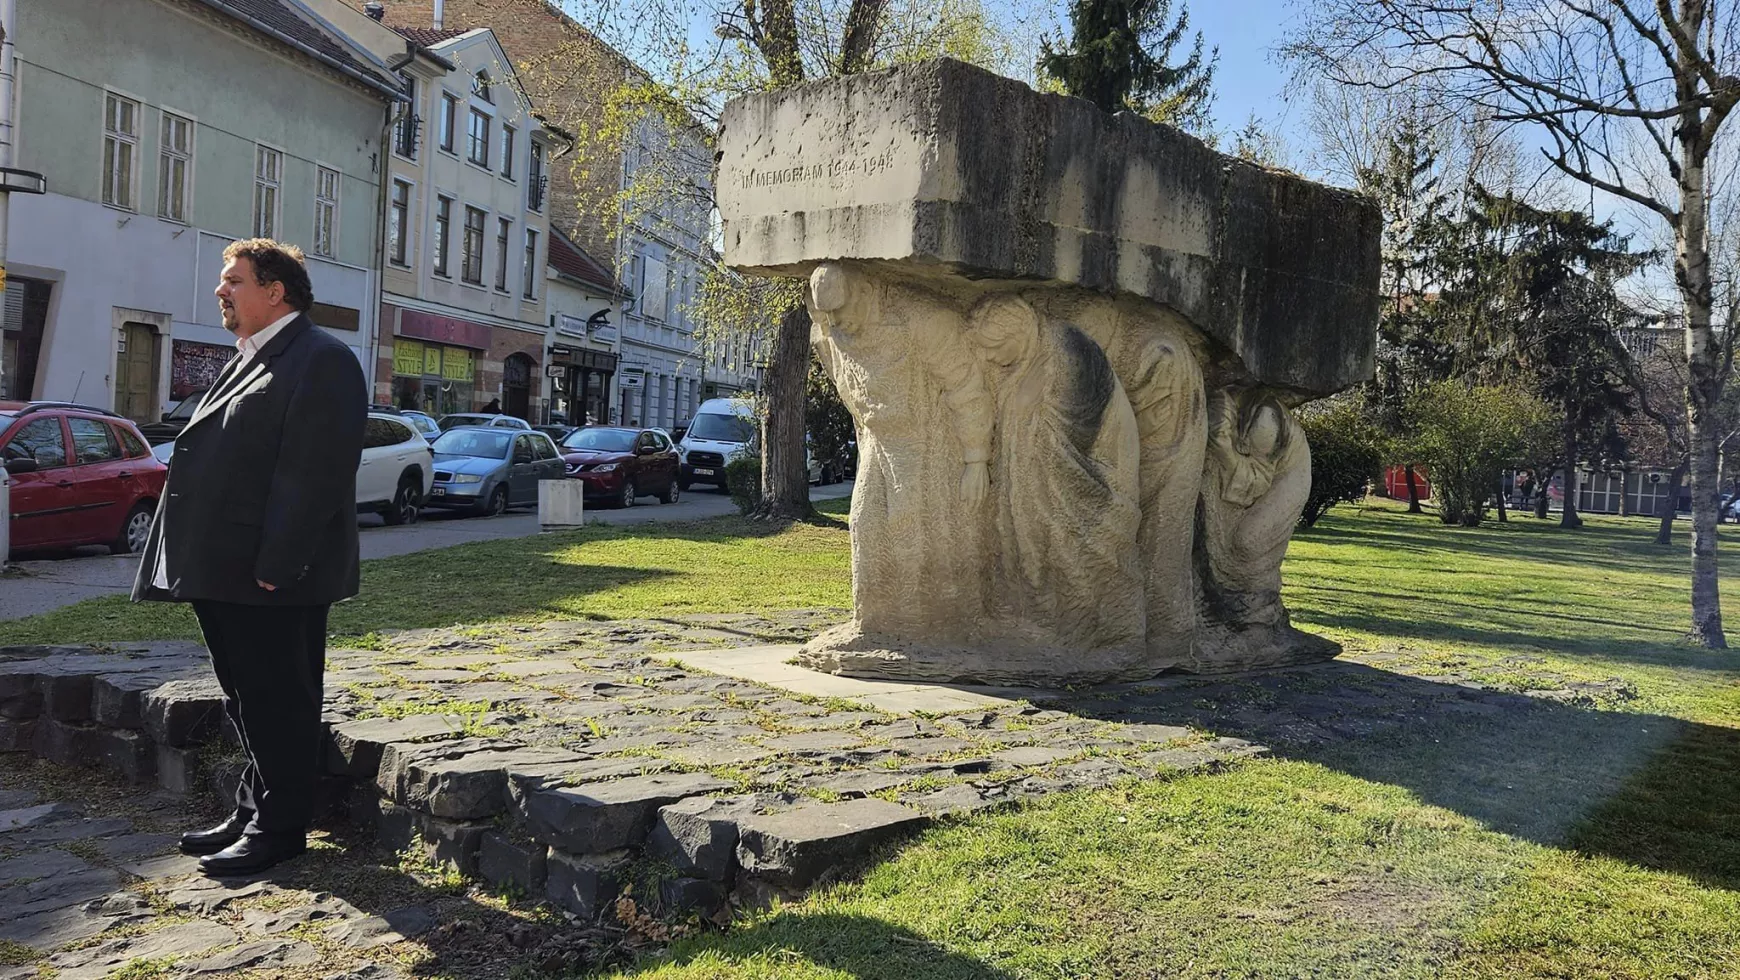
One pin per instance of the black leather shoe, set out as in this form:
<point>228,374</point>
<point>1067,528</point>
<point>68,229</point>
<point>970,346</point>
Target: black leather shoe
<point>217,838</point>
<point>253,853</point>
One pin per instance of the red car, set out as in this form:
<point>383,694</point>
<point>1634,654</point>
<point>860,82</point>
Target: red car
<point>80,475</point>
<point>620,464</point>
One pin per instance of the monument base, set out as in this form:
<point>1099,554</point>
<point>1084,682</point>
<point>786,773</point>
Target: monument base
<point>848,651</point>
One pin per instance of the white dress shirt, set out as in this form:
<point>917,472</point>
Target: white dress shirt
<point>250,346</point>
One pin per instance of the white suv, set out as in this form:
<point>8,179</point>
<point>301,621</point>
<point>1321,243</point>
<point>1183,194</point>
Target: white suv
<point>397,469</point>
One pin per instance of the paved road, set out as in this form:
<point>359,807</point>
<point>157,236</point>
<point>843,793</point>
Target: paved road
<point>51,582</point>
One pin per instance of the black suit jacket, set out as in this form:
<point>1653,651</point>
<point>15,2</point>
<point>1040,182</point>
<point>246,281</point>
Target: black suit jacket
<point>262,484</point>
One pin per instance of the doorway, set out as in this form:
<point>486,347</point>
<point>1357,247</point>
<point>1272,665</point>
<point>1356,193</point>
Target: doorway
<point>516,386</point>
<point>136,372</point>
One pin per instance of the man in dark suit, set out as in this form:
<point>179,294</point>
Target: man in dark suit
<point>257,529</point>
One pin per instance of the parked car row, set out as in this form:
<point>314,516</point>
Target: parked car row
<point>83,475</point>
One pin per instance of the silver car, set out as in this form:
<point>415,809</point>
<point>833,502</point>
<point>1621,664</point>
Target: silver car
<point>488,470</point>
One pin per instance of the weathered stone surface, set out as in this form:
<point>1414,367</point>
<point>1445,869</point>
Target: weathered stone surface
<point>357,746</point>
<point>857,783</point>
<point>47,931</point>
<point>505,862</point>
<point>942,165</point>
<point>128,753</point>
<point>40,864</point>
<point>587,884</point>
<point>264,954</point>
<point>180,940</point>
<point>178,770</point>
<point>204,896</point>
<point>180,713</point>
<point>698,836</point>
<point>797,847</point>
<point>395,826</point>
<point>679,895</point>
<point>1035,755</point>
<point>16,736</point>
<point>33,816</point>
<point>118,700</point>
<point>134,847</point>
<point>607,816</point>
<point>324,910</point>
<point>453,841</point>
<point>464,779</point>
<point>67,696</point>
<point>395,926</point>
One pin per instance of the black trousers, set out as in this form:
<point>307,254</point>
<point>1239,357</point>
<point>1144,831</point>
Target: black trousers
<point>269,661</point>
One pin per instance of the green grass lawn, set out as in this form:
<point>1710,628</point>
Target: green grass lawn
<point>1424,854</point>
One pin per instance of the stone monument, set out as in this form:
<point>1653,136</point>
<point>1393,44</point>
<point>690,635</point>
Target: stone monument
<point>1071,342</point>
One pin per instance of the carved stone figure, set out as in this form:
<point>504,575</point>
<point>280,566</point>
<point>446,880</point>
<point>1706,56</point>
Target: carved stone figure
<point>924,419</point>
<point>1072,343</point>
<point>1064,472</point>
<point>1255,481</point>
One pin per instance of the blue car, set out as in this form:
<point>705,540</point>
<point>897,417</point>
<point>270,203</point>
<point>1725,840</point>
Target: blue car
<point>488,470</point>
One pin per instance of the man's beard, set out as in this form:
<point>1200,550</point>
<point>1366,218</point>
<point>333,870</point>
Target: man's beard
<point>230,321</point>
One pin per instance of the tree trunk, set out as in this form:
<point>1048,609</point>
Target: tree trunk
<point>1568,514</point>
<point>1665,533</point>
<point>1413,490</point>
<point>785,479</point>
<point>1503,516</point>
<point>1624,493</point>
<point>1703,366</point>
<point>1543,483</point>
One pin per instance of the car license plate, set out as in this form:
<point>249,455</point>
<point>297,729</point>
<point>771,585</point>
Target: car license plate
<point>701,472</point>
<point>437,492</point>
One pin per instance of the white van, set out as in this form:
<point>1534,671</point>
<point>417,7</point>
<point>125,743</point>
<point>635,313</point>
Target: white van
<point>721,429</point>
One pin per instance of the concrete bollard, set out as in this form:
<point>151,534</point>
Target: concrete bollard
<point>561,504</point>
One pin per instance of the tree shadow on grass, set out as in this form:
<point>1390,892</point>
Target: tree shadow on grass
<point>1654,791</point>
<point>861,947</point>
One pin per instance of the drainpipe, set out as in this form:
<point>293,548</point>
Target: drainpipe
<point>439,6</point>
<point>8,17</point>
<point>394,111</point>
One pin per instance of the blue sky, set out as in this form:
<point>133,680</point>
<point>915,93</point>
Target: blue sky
<point>1247,80</point>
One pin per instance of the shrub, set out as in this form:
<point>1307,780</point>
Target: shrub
<point>743,481</point>
<point>1468,435</point>
<point>1345,457</point>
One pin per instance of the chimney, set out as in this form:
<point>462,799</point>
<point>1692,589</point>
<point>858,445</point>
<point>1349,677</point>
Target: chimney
<point>375,11</point>
<point>438,6</point>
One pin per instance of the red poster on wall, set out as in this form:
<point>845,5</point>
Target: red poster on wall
<point>193,366</point>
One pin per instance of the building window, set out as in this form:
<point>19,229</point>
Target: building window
<point>268,175</point>
<point>443,229</point>
<point>531,264</point>
<point>120,144</point>
<point>480,86</point>
<point>399,224</point>
<point>507,152</point>
<point>535,190</point>
<point>473,270</point>
<point>433,378</point>
<point>326,212</point>
<point>449,119</point>
<point>174,167</point>
<point>502,238</point>
<point>478,150</point>
<point>405,130</point>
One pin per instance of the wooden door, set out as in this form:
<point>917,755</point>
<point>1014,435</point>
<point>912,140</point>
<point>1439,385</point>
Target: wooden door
<point>136,373</point>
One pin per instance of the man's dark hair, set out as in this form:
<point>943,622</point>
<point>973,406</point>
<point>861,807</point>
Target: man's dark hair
<point>276,262</point>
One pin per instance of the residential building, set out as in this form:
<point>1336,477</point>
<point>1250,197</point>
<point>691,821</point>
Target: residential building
<point>462,321</point>
<point>168,129</point>
<point>656,252</point>
<point>584,302</point>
